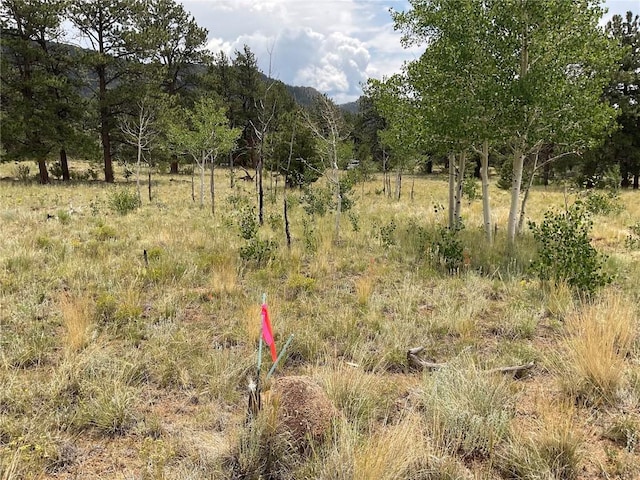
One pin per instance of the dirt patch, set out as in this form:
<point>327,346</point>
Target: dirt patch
<point>304,409</point>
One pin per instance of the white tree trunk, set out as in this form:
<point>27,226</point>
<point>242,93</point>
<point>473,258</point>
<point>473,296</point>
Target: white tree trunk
<point>486,205</point>
<point>138,168</point>
<point>202,165</point>
<point>338,196</point>
<point>516,182</point>
<point>212,188</point>
<point>452,189</point>
<point>459,184</point>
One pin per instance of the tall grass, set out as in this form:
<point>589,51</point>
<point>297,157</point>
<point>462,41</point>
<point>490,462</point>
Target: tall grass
<point>598,339</point>
<point>100,348</point>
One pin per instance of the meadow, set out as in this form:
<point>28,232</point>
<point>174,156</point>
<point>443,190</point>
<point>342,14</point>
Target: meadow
<point>127,340</point>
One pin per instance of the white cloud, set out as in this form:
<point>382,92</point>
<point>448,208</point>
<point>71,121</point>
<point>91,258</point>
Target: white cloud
<point>318,44</point>
<point>332,45</point>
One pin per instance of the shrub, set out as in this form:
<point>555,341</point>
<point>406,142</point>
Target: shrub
<point>248,223</point>
<point>602,203</point>
<point>258,251</point>
<point>124,201</point>
<point>316,200</point>
<point>386,234</point>
<point>632,242</point>
<point>565,252</point>
<point>22,173</point>
<point>448,250</point>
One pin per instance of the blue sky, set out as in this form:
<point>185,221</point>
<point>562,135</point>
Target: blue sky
<point>331,45</point>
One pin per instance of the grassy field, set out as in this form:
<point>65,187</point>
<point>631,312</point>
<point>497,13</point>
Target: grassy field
<point>116,367</point>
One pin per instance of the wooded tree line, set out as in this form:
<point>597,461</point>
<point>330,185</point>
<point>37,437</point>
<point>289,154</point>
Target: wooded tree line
<point>536,84</point>
<point>142,86</point>
<point>537,88</point>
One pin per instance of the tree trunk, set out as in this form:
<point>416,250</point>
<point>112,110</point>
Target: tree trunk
<point>212,188</point>
<point>525,197</point>
<point>43,172</point>
<point>139,160</point>
<point>232,174</point>
<point>462,163</point>
<point>202,166</point>
<point>193,183</point>
<point>287,231</point>
<point>546,174</point>
<point>636,181</point>
<point>429,167</point>
<point>384,172</point>
<point>105,136</point>
<point>518,155</point>
<point>486,205</point>
<point>149,175</point>
<point>338,195</point>
<point>516,182</point>
<point>398,183</point>
<point>173,168</point>
<point>452,190</point>
<point>260,192</point>
<point>64,164</point>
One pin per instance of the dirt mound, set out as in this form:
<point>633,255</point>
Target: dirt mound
<point>304,409</point>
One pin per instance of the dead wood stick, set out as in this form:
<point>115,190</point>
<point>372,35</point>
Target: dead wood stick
<point>416,362</point>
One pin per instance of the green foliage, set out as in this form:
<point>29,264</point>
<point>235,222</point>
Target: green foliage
<point>602,203</point>
<point>248,223</point>
<point>64,217</point>
<point>22,172</point>
<point>386,233</point>
<point>309,235</point>
<point>632,242</point>
<point>258,252</point>
<point>123,201</point>
<point>470,187</point>
<point>316,200</point>
<point>565,253</point>
<point>447,249</point>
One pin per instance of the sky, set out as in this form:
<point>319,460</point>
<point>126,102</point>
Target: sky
<point>331,45</point>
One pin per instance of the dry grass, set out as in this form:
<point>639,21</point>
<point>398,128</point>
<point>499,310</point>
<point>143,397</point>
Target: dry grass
<point>144,366</point>
<point>77,318</point>
<point>599,337</point>
<point>392,452</point>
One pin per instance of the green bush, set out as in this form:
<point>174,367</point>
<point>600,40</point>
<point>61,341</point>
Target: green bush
<point>22,173</point>
<point>447,249</point>
<point>124,201</point>
<point>565,252</point>
<point>602,203</point>
<point>248,223</point>
<point>632,242</point>
<point>258,251</point>
<point>316,200</point>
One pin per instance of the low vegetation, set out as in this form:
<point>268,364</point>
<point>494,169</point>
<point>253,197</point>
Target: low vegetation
<point>129,333</point>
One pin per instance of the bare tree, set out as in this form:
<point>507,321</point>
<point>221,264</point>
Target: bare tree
<point>330,129</point>
<point>140,132</point>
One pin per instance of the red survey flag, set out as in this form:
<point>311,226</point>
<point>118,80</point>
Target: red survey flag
<point>267,333</point>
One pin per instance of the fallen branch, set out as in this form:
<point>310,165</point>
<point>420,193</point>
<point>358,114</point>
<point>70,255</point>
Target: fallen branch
<point>416,362</point>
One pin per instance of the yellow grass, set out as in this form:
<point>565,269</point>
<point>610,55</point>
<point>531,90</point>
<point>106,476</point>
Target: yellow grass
<point>176,338</point>
<point>598,339</point>
<point>77,315</point>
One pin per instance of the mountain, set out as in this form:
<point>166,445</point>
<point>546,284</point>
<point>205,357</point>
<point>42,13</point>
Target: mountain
<point>351,107</point>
